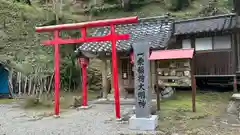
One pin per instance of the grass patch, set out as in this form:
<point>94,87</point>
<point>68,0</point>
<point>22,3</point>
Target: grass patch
<point>5,101</point>
<point>67,99</point>
<point>177,111</point>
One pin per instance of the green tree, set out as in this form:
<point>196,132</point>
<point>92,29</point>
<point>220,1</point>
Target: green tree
<point>176,5</point>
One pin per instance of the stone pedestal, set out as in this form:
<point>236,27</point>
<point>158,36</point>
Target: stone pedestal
<point>103,99</point>
<point>143,124</point>
<point>84,107</point>
<point>236,96</point>
<point>56,116</point>
<point>234,105</point>
<point>233,110</point>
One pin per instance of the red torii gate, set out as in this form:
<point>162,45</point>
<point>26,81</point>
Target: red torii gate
<point>112,36</point>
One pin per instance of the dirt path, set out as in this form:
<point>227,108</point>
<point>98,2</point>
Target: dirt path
<point>176,118</point>
<point>15,121</point>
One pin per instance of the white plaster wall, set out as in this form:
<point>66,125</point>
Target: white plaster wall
<point>186,44</point>
<point>203,43</point>
<point>222,42</point>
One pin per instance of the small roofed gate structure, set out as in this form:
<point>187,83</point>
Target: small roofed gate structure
<point>112,36</point>
<point>175,68</point>
<point>157,30</point>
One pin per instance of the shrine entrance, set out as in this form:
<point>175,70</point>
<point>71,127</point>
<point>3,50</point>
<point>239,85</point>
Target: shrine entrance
<point>112,36</point>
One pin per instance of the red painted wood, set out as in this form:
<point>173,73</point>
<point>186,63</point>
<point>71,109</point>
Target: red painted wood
<point>88,39</point>
<point>172,54</point>
<point>82,27</point>
<point>57,74</point>
<point>131,58</point>
<point>99,23</point>
<point>83,62</point>
<point>84,32</point>
<point>235,89</point>
<point>115,72</point>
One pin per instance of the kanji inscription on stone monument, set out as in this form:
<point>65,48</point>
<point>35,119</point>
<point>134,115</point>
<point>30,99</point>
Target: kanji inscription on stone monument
<point>141,54</point>
<point>142,120</point>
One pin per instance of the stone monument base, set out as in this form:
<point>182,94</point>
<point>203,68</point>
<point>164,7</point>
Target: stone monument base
<point>234,108</point>
<point>143,124</point>
<point>84,107</point>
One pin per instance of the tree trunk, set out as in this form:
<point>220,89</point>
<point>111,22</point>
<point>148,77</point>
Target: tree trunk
<point>25,85</point>
<point>45,84</point>
<point>125,4</point>
<point>57,9</point>
<point>10,82</point>
<point>19,83</point>
<point>50,84</point>
<point>30,86</point>
<point>28,2</point>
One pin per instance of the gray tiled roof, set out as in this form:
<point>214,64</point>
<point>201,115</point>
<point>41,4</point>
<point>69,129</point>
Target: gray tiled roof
<point>206,24</point>
<point>158,30</point>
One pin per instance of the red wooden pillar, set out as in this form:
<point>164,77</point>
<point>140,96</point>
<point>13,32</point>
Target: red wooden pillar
<point>115,72</point>
<point>83,63</point>
<point>57,74</point>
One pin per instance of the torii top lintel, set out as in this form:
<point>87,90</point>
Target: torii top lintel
<point>82,27</point>
<point>99,23</point>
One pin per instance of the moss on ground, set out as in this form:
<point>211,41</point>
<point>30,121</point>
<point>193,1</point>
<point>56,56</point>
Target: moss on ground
<point>46,102</point>
<point>5,101</point>
<point>177,112</point>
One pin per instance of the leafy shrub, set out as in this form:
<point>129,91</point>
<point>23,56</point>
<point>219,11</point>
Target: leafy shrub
<point>176,5</point>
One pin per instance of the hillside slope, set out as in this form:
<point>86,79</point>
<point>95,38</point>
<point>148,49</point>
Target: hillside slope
<point>20,44</point>
<point>18,41</point>
<point>148,8</point>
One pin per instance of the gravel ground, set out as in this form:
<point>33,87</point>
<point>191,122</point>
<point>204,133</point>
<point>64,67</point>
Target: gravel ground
<point>15,121</point>
<point>100,120</point>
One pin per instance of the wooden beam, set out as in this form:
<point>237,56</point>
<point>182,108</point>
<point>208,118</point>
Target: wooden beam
<point>235,84</point>
<point>104,70</point>
<point>214,75</point>
<point>238,51</point>
<point>157,87</point>
<point>234,52</point>
<point>111,70</point>
<point>193,85</point>
<point>153,74</point>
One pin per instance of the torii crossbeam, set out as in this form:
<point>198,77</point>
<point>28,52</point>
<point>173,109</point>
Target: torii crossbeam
<point>112,36</point>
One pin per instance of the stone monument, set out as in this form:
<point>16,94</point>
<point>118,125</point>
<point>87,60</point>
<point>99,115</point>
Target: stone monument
<point>142,120</point>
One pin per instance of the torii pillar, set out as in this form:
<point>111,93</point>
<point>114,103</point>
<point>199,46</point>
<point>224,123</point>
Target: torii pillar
<point>84,63</point>
<point>112,36</point>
